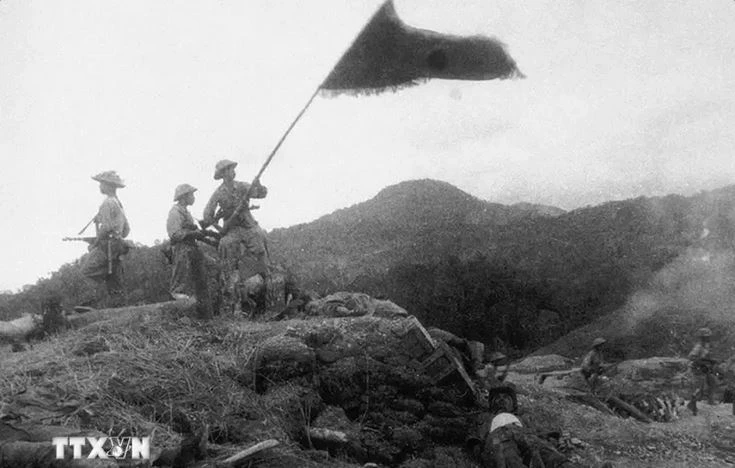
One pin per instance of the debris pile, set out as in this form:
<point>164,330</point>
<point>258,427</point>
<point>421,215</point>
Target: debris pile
<point>664,407</point>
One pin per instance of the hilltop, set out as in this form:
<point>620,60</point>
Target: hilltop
<point>417,219</point>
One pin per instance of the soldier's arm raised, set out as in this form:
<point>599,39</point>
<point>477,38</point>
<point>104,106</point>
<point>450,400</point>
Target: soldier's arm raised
<point>257,190</point>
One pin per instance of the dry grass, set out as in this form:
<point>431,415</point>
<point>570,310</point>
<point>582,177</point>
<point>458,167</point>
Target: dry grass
<point>157,374</point>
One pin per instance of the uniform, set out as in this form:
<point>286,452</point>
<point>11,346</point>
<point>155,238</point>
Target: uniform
<point>186,256</point>
<point>242,249</point>
<point>103,262</point>
<point>193,271</point>
<point>703,378</point>
<point>593,364</point>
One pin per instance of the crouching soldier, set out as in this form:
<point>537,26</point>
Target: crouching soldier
<point>593,364</point>
<point>191,267</point>
<point>701,366</point>
<point>103,264</point>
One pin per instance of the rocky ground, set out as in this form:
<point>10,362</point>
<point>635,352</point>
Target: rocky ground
<point>161,372</point>
<point>705,440</point>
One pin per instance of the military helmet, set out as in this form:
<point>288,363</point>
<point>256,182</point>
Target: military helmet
<point>704,332</point>
<point>109,177</point>
<point>598,342</point>
<point>182,190</point>
<point>221,166</point>
<point>497,356</point>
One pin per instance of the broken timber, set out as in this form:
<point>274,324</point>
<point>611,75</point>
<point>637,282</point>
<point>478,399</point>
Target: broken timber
<point>433,357</point>
<point>250,452</point>
<point>628,408</point>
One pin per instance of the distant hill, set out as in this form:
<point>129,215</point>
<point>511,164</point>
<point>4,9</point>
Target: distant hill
<point>416,220</point>
<point>539,272</point>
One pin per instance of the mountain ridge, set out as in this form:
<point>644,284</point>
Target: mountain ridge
<point>574,266</point>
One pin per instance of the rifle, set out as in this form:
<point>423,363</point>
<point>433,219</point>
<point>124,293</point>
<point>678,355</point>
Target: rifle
<point>203,227</point>
<point>109,256</point>
<point>217,216</point>
<point>89,240</point>
<point>209,237</point>
<point>244,203</point>
<point>87,225</point>
<point>566,372</point>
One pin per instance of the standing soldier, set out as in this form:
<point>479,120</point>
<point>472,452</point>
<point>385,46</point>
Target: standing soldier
<point>103,262</point>
<point>593,364</point>
<point>702,368</point>
<point>183,232</point>
<point>189,273</point>
<point>242,248</point>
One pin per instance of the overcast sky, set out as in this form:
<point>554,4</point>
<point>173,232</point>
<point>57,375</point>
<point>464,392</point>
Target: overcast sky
<point>622,98</point>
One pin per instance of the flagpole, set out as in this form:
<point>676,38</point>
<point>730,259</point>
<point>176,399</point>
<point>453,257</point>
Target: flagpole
<point>288,130</point>
<point>311,99</point>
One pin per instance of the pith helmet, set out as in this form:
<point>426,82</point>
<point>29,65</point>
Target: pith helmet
<point>182,190</point>
<point>221,166</point>
<point>598,342</point>
<point>704,332</point>
<point>496,356</point>
<point>109,177</point>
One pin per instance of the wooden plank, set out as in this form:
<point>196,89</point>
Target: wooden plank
<point>630,409</point>
<point>251,451</point>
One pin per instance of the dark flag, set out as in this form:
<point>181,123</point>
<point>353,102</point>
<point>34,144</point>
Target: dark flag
<point>388,54</point>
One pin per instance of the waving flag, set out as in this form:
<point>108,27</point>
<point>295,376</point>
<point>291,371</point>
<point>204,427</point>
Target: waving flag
<point>388,54</point>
